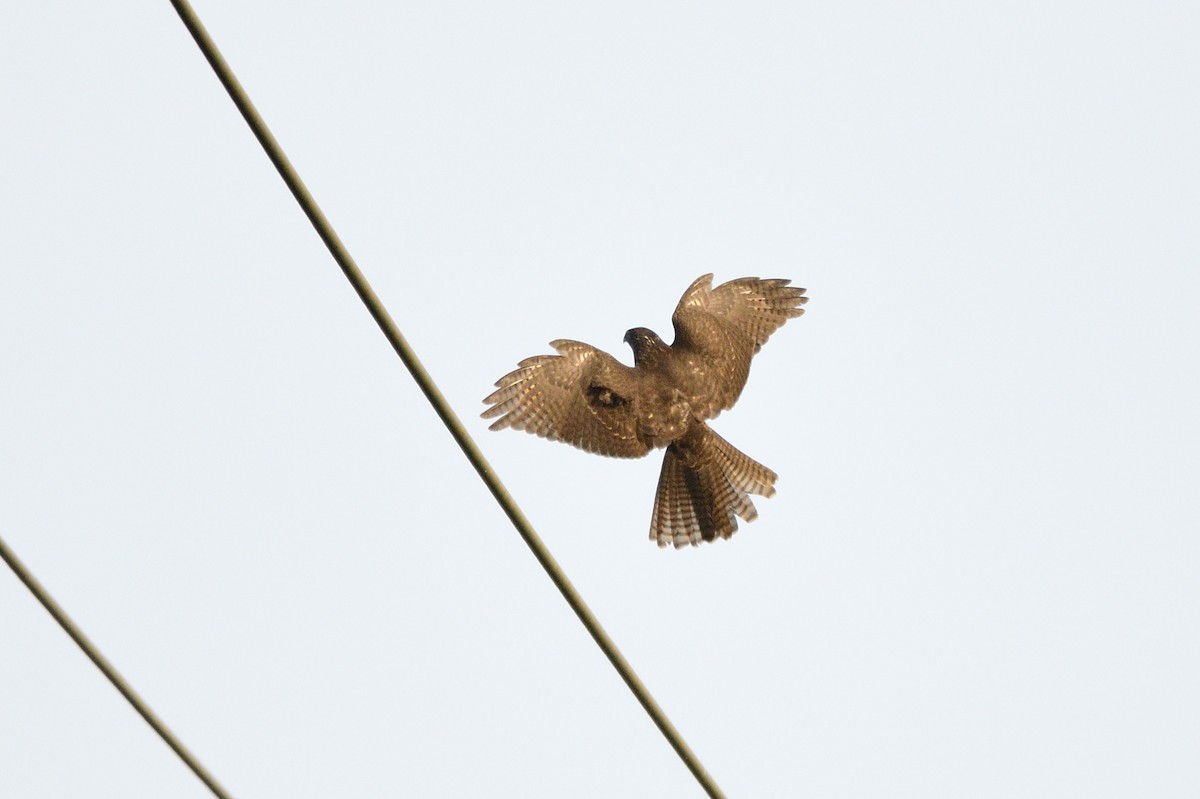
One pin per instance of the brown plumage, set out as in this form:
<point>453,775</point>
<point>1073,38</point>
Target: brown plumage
<point>587,398</point>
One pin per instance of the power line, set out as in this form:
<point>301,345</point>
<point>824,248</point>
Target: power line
<point>109,671</point>
<point>430,389</point>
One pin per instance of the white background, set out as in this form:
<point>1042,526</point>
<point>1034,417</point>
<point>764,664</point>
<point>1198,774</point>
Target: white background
<point>979,576</point>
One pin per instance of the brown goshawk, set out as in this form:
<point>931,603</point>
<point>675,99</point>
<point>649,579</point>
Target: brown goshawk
<point>585,397</point>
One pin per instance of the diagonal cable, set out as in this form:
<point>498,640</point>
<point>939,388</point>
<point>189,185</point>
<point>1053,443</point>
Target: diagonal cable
<point>425,382</point>
<point>109,671</point>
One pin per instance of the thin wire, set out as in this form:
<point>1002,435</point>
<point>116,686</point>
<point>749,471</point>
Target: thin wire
<point>430,389</point>
<point>109,671</point>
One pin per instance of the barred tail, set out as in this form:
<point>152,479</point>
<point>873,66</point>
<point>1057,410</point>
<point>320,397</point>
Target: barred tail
<point>704,485</point>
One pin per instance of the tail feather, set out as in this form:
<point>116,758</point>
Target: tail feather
<point>704,488</point>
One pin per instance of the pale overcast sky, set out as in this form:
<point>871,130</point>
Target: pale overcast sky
<point>980,576</point>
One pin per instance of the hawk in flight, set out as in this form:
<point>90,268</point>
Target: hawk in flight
<point>589,399</point>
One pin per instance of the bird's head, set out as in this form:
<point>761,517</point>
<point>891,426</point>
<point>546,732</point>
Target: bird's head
<point>645,344</point>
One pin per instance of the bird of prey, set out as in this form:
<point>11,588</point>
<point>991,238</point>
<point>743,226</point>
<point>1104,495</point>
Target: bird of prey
<point>585,397</point>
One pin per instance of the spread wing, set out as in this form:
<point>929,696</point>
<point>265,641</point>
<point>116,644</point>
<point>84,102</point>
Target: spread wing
<point>718,331</point>
<point>581,396</point>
